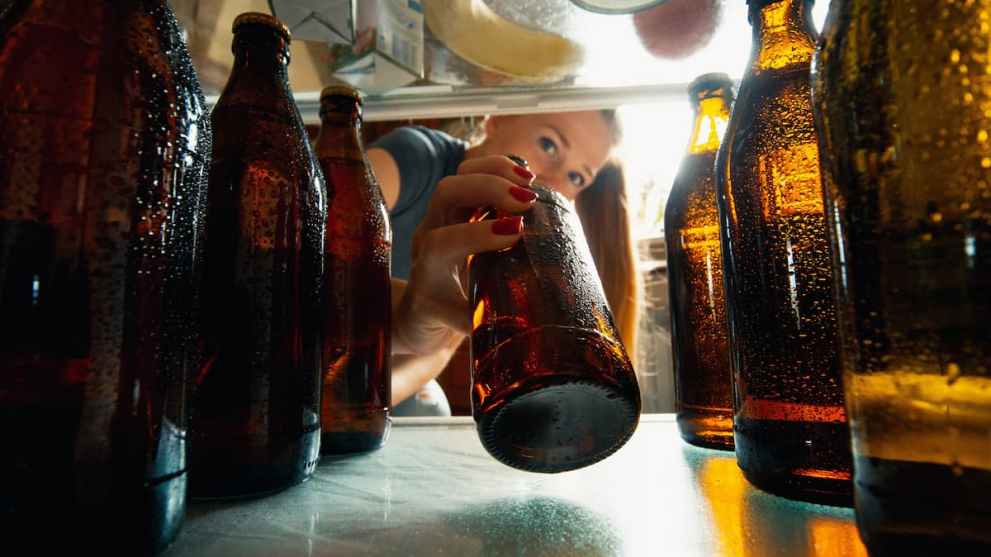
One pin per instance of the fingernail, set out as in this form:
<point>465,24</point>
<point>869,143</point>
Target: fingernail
<point>508,226</point>
<point>523,173</point>
<point>522,195</point>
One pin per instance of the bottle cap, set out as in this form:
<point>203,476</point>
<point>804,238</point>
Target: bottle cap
<point>338,90</point>
<point>262,20</point>
<point>711,81</point>
<point>518,160</point>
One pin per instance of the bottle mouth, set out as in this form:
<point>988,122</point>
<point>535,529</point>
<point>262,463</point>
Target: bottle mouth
<point>711,85</point>
<point>263,20</point>
<point>346,91</point>
<point>757,4</point>
<point>340,99</point>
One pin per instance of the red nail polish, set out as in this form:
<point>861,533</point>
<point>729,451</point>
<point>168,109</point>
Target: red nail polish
<point>508,226</point>
<point>522,195</point>
<point>523,173</point>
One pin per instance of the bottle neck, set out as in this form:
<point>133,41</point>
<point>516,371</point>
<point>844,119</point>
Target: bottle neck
<point>340,129</point>
<point>783,33</point>
<point>711,118</point>
<point>262,54</point>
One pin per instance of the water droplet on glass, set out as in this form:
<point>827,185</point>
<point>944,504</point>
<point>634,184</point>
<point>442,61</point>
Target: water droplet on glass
<point>952,373</point>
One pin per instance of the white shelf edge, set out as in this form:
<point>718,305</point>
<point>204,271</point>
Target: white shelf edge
<point>446,102</point>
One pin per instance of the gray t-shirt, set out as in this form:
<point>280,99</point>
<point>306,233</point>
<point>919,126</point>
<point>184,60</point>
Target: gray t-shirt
<point>424,156</point>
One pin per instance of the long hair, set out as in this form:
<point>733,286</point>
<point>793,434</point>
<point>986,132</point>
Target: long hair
<point>602,208</point>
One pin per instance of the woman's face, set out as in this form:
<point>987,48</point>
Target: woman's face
<point>565,150</point>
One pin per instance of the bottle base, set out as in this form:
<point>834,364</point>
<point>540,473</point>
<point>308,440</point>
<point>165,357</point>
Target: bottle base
<point>808,462</point>
<point>558,427</point>
<point>145,522</point>
<point>225,473</point>
<point>365,435</point>
<point>92,505</point>
<point>710,430</point>
<point>918,508</point>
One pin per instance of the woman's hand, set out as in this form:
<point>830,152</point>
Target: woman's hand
<point>432,312</point>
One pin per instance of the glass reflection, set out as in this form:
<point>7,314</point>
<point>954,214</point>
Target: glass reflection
<point>540,525</point>
<point>749,523</point>
<point>544,526</point>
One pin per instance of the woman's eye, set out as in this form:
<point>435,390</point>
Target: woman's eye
<point>576,179</point>
<point>548,146</point>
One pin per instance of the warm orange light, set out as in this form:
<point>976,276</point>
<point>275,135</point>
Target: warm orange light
<point>834,537</point>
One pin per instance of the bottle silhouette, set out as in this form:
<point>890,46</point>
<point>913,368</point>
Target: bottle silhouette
<point>790,429</point>
<point>256,414</point>
<point>104,146</point>
<point>354,412</point>
<point>553,388</point>
<point>904,126</point>
<point>703,383</point>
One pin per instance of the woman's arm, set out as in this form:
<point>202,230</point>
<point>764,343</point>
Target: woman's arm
<point>430,313</point>
<point>387,173</point>
<point>410,370</point>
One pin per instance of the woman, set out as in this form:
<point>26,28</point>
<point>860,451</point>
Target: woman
<point>431,181</point>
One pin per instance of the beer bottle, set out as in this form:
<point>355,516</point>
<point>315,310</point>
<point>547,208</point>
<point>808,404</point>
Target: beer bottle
<point>703,384</point>
<point>790,428</point>
<point>552,386</point>
<point>256,420</point>
<point>901,92</point>
<point>104,146</point>
<point>357,308</point>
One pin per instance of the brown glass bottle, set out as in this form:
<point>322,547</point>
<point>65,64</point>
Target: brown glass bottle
<point>790,428</point>
<point>552,386</point>
<point>702,380</point>
<point>901,95</point>
<point>354,406</point>
<point>104,145</point>
<point>256,414</point>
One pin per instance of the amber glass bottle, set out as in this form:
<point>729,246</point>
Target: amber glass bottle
<point>357,308</point>
<point>790,427</point>
<point>902,92</point>
<point>702,379</point>
<point>552,386</point>
<point>256,420</point>
<point>104,145</point>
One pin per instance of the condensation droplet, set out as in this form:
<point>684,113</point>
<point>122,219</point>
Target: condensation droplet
<point>952,373</point>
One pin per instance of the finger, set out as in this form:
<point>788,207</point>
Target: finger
<point>451,244</point>
<point>454,194</point>
<point>497,165</point>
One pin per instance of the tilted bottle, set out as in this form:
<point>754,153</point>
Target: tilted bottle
<point>357,305</point>
<point>552,386</point>
<point>902,95</point>
<point>702,379</point>
<point>256,413</point>
<point>104,147</point>
<point>790,429</point>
